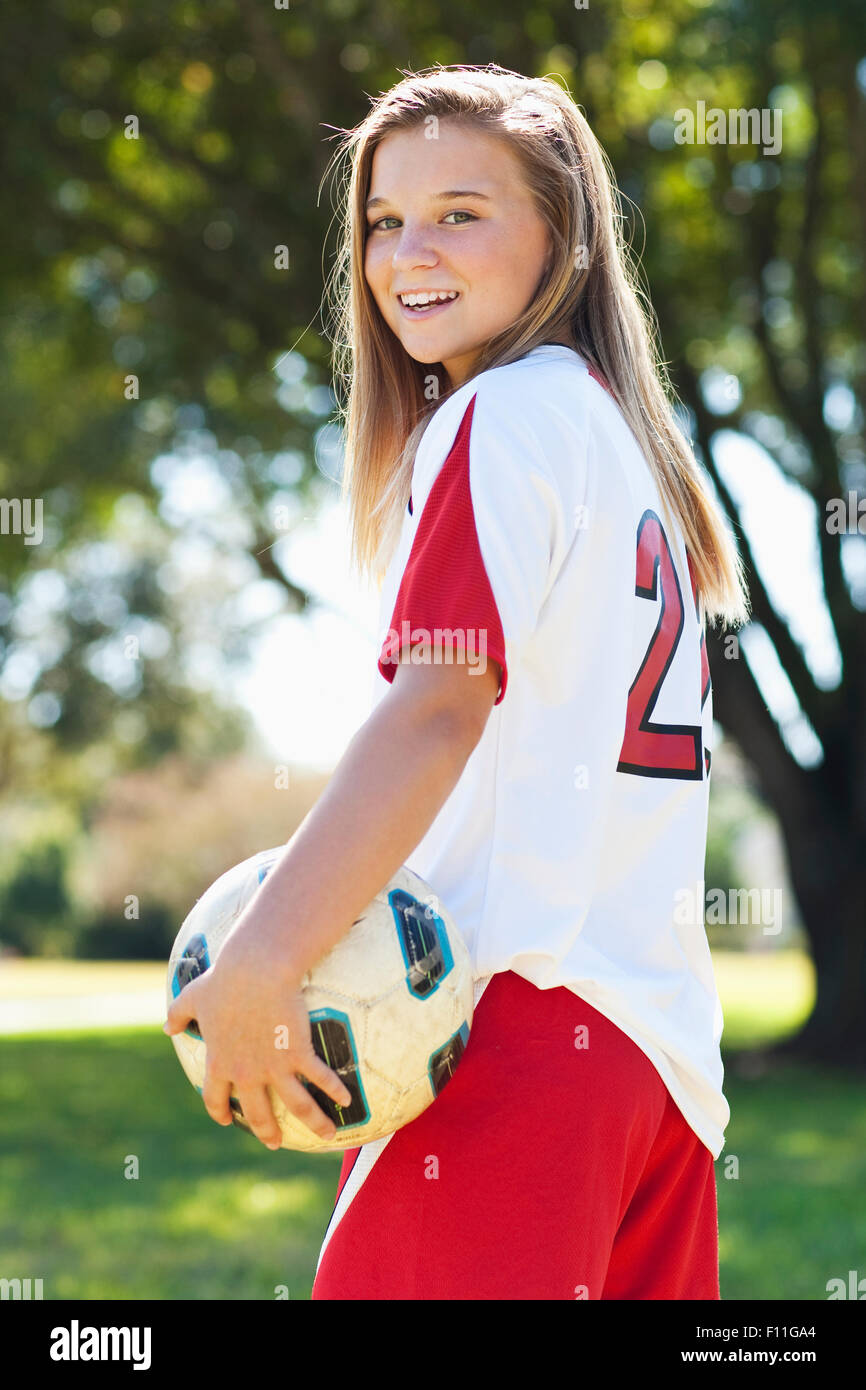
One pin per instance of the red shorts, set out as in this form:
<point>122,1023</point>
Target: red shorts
<point>542,1171</point>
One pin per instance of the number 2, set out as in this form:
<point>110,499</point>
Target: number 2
<point>650,749</point>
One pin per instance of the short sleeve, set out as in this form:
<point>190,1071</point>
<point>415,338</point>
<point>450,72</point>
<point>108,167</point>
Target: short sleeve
<point>480,564</point>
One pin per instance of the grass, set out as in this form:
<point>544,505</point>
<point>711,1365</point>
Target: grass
<point>790,1181</point>
<point>212,1214</point>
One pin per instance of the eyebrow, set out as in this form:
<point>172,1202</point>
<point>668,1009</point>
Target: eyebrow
<point>437,197</point>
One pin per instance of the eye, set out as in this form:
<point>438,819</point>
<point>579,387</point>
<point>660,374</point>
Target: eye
<point>458,212</point>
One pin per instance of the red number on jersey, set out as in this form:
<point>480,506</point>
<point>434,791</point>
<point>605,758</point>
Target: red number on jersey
<point>649,749</point>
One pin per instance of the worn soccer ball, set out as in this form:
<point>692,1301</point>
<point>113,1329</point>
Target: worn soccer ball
<point>390,1005</point>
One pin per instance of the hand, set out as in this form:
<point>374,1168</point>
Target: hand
<point>246,1010</point>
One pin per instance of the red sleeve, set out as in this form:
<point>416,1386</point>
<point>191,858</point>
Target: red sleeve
<point>445,585</point>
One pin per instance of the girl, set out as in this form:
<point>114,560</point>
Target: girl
<point>538,744</point>
<point>515,470</point>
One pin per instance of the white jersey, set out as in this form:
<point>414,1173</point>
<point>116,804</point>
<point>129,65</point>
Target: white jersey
<point>572,848</point>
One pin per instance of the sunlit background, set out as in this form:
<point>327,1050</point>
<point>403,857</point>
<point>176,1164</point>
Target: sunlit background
<point>187,652</point>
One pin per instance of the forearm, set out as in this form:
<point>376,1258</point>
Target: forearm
<point>396,774</point>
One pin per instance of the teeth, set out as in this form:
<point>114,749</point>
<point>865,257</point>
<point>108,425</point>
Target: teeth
<point>438,297</point>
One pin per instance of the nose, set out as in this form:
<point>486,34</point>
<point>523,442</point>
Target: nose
<point>415,247</point>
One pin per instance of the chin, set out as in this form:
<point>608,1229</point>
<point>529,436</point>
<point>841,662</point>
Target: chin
<point>427,356</point>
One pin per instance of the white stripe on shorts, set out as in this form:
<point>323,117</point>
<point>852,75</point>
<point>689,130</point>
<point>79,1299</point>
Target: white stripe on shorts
<point>367,1157</point>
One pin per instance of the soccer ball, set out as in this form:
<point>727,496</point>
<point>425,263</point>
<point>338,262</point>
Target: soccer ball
<point>390,1005</point>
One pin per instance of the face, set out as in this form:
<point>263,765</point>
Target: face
<point>451,214</point>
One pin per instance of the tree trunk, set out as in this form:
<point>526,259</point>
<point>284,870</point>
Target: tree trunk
<point>819,813</point>
<point>828,878</point>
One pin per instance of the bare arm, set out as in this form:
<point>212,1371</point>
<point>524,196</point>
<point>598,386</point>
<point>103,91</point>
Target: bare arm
<point>387,789</point>
<point>396,774</point>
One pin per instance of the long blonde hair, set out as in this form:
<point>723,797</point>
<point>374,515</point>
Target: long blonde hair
<point>592,301</point>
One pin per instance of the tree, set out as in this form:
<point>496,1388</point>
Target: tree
<point>149,248</point>
<point>778,300</point>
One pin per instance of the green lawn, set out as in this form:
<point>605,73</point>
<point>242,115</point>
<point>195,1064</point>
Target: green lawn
<point>795,1217</point>
<point>212,1214</point>
<point>215,1215</point>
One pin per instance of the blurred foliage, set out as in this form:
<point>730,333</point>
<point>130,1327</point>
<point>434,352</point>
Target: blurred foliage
<point>765,996</point>
<point>167,385</point>
<point>120,888</point>
<point>157,158</point>
<point>34,904</point>
<point>219,817</point>
<point>745,854</point>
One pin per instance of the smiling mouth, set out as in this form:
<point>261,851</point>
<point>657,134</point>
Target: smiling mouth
<point>428,308</point>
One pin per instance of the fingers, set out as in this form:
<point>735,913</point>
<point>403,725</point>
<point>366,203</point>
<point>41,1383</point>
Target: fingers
<point>320,1074</point>
<point>216,1093</point>
<point>181,1010</point>
<point>300,1103</point>
<point>258,1111</point>
<point>256,1104</point>
<point>259,1115</point>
